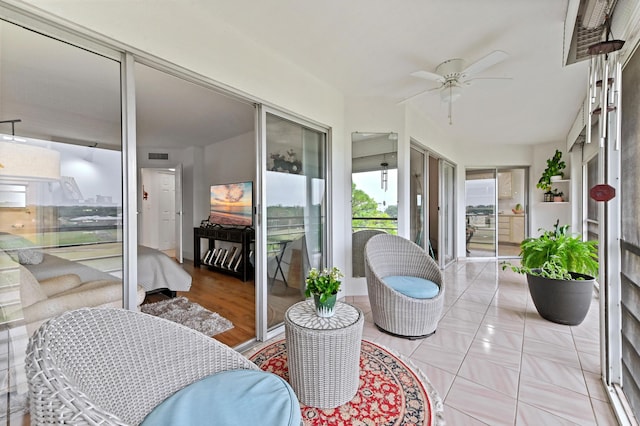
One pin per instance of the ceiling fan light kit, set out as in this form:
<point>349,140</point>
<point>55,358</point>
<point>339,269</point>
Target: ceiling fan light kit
<point>453,76</point>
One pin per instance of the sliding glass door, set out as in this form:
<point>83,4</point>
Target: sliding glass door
<point>496,211</point>
<point>447,213</point>
<point>61,189</point>
<point>432,217</point>
<point>480,200</point>
<point>292,235</point>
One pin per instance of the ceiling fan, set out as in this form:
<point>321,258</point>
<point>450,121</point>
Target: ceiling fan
<point>453,76</point>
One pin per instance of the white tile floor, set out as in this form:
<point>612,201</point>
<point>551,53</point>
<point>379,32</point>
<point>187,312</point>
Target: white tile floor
<point>495,361</point>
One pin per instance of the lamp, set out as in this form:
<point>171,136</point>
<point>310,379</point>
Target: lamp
<point>21,160</point>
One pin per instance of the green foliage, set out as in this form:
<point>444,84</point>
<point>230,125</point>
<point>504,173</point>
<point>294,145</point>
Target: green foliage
<point>364,206</point>
<point>556,254</point>
<point>324,283</point>
<point>555,166</point>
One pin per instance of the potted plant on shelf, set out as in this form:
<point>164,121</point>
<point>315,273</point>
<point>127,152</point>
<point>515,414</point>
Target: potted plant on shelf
<point>553,172</point>
<point>324,286</point>
<point>518,209</point>
<point>557,196</point>
<point>561,270</point>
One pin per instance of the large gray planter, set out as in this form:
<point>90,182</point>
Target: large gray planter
<point>562,301</point>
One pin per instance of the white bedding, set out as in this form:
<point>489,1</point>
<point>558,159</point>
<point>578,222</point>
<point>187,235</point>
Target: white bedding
<point>156,270</point>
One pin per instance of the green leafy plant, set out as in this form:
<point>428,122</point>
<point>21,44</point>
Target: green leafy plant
<point>557,255</point>
<point>555,166</point>
<point>324,283</point>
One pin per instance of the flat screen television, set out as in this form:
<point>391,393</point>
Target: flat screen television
<point>232,204</point>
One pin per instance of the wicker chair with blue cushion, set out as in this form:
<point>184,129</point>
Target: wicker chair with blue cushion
<point>111,366</point>
<point>405,285</point>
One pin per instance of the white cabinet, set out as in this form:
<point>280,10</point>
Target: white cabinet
<point>511,228</point>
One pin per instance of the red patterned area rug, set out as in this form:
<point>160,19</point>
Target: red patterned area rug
<point>391,391</point>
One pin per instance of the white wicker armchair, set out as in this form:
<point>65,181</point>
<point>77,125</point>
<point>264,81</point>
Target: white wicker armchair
<point>393,312</point>
<point>111,366</point>
<point>358,241</point>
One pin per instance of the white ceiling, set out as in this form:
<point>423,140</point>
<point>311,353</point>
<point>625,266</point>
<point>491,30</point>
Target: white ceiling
<point>368,48</point>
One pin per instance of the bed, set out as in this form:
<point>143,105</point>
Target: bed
<point>156,270</point>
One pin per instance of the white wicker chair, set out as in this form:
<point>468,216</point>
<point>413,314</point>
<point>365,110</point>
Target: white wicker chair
<point>111,366</point>
<point>393,312</point>
<point>359,240</point>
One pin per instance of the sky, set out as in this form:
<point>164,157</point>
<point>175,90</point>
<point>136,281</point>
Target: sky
<point>370,182</point>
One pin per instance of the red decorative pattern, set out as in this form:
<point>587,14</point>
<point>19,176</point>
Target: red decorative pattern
<point>390,393</point>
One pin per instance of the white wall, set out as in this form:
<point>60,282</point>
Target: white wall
<point>230,161</point>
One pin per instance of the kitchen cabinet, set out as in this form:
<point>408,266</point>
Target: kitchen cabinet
<point>511,228</point>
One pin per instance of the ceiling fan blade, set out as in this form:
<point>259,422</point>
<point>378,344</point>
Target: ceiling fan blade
<point>468,80</point>
<point>433,90</point>
<point>488,61</point>
<point>428,76</point>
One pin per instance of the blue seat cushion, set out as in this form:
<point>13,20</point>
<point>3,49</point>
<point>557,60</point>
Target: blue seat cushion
<point>234,398</point>
<point>418,288</point>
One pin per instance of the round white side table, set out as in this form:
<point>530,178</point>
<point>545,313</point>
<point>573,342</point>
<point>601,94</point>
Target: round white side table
<point>323,353</point>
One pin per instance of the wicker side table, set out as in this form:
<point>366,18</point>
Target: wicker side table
<point>323,353</point>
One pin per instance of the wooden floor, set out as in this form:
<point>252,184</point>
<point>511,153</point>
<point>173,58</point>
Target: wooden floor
<point>224,294</point>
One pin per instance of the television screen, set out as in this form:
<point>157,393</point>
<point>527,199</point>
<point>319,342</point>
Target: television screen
<point>232,204</point>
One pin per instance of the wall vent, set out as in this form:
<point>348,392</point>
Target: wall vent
<point>158,156</point>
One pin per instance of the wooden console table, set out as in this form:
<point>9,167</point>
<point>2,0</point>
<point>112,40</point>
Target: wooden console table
<point>241,266</point>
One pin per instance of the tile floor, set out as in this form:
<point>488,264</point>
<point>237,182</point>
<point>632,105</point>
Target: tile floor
<point>495,361</point>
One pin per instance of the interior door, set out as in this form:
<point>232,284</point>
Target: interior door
<point>178,213</point>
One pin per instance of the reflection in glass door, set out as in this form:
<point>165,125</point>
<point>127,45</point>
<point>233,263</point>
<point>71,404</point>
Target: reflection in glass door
<point>480,201</point>
<point>295,190</point>
<point>416,187</point>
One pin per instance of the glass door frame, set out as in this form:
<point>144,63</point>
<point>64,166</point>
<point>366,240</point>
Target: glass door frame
<point>424,216</point>
<point>442,221</point>
<point>260,212</point>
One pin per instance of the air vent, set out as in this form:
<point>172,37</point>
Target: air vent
<point>158,156</point>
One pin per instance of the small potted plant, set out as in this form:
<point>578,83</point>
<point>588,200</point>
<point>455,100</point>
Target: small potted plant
<point>557,196</point>
<point>553,172</point>
<point>324,286</point>
<point>518,209</point>
<point>561,270</point>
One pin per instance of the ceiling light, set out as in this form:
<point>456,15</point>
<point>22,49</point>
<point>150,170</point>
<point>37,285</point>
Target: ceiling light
<point>21,160</point>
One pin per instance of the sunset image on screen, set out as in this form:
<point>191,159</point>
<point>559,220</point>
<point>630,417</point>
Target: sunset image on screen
<point>232,204</point>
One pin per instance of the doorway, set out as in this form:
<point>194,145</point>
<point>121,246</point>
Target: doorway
<point>496,202</point>
<point>161,211</point>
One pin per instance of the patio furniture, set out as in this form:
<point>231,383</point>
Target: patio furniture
<point>405,286</point>
<point>111,366</point>
<point>359,240</point>
<point>323,353</point>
